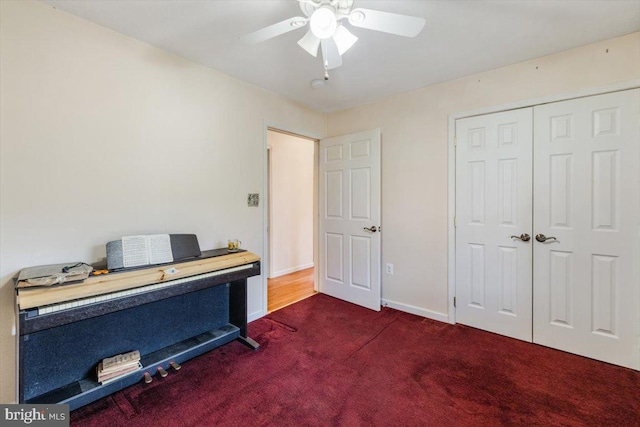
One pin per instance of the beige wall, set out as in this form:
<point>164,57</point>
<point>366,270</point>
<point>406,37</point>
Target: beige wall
<point>415,154</point>
<point>291,198</point>
<point>104,136</point>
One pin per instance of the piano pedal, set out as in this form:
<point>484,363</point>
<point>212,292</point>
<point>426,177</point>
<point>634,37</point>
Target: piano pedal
<point>147,378</point>
<point>162,372</point>
<point>175,366</point>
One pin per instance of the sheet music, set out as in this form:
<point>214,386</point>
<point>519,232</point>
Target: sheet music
<point>146,249</point>
<point>160,248</point>
<point>135,251</point>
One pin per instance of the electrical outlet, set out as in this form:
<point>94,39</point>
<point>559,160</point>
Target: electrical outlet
<point>389,269</point>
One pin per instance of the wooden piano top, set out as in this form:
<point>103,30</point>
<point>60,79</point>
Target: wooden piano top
<point>118,281</point>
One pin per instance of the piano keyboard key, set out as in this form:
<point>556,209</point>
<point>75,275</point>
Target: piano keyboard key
<point>48,309</point>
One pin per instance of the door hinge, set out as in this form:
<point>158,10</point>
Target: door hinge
<point>454,222</point>
<point>455,141</point>
<point>454,301</point>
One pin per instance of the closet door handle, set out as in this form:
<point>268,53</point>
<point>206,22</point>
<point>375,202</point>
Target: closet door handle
<point>524,237</point>
<point>542,238</point>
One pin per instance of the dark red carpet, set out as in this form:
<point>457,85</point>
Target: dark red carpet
<point>326,362</point>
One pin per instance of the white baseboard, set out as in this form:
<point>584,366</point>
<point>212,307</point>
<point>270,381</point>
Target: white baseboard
<point>291,270</point>
<point>255,316</point>
<point>423,312</point>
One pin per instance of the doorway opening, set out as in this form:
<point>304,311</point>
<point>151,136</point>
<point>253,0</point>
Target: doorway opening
<point>291,218</point>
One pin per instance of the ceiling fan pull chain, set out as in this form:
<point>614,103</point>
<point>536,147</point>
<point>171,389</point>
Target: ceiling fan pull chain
<point>325,61</point>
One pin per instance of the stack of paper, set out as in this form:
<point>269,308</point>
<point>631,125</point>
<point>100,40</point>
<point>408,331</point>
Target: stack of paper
<point>112,368</point>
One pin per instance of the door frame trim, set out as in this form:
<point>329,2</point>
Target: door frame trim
<point>451,232</point>
<point>266,127</point>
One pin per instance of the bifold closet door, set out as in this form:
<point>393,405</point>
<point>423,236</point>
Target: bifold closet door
<point>493,209</point>
<point>586,282</point>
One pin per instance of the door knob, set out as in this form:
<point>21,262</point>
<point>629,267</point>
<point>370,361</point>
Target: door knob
<point>542,238</point>
<point>372,229</point>
<point>524,237</point>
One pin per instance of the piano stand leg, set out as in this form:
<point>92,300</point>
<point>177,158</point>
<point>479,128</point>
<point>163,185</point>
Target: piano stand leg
<point>248,342</point>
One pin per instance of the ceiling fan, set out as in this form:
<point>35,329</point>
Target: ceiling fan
<point>326,27</point>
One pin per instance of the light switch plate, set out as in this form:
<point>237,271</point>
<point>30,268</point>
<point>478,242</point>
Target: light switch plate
<point>253,200</point>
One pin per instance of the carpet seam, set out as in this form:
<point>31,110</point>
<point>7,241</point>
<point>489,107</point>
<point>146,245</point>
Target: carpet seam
<point>369,340</point>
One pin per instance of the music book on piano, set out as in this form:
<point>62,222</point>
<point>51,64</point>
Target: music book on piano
<point>146,249</point>
<point>143,250</point>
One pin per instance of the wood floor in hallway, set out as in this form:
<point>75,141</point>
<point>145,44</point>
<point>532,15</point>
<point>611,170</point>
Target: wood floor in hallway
<point>285,290</point>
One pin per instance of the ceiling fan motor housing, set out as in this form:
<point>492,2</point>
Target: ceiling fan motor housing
<point>342,8</point>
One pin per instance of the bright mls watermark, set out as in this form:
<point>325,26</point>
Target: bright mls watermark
<point>34,415</point>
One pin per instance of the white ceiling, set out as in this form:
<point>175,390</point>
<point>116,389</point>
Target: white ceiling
<point>460,38</point>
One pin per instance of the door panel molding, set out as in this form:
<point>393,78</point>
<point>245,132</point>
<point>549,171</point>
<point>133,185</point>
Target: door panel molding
<point>494,194</point>
<point>598,177</point>
<point>350,246</point>
<point>586,283</point>
<point>451,266</point>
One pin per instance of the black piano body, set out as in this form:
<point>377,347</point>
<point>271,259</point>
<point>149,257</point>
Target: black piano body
<point>171,320</point>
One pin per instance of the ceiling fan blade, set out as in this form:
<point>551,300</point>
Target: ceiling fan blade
<point>393,23</point>
<point>310,43</point>
<point>344,39</point>
<point>275,30</point>
<point>330,55</point>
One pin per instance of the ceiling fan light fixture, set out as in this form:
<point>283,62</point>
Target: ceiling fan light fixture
<point>344,39</point>
<point>323,23</point>
<point>325,18</point>
<point>310,43</point>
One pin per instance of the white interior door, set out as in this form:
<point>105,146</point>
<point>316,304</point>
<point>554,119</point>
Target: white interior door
<point>349,205</point>
<point>493,206</point>
<point>587,201</point>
